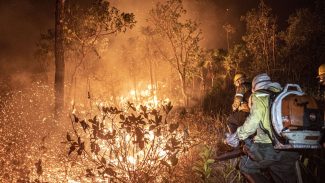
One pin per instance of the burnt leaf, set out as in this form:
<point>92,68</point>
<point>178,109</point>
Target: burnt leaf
<point>173,127</point>
<point>142,122</point>
<point>168,148</point>
<point>165,163</point>
<point>139,134</point>
<point>72,148</point>
<point>143,108</point>
<point>168,107</point>
<point>103,160</point>
<point>68,137</point>
<point>131,105</point>
<point>39,168</point>
<point>100,167</point>
<point>105,109</point>
<point>94,147</point>
<point>84,125</point>
<point>75,118</point>
<point>173,159</point>
<point>94,120</point>
<point>158,119</point>
<point>174,142</point>
<point>132,118</point>
<point>81,148</point>
<point>89,173</point>
<point>109,171</point>
<point>152,127</point>
<point>122,117</point>
<point>154,112</point>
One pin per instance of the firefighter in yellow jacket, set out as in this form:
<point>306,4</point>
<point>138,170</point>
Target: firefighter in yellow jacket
<point>240,104</point>
<point>260,153</point>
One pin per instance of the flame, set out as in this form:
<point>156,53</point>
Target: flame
<point>73,181</point>
<point>131,160</point>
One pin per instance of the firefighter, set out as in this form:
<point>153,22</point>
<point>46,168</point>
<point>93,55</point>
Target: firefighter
<point>260,153</point>
<point>240,104</point>
<point>321,77</point>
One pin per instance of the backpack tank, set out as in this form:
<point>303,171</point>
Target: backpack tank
<point>296,119</point>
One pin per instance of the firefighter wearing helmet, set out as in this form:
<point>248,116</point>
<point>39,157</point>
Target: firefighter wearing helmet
<point>260,151</point>
<point>321,77</point>
<point>240,105</point>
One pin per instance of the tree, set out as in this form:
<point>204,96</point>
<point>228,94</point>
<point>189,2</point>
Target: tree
<point>303,48</point>
<point>183,38</point>
<point>59,57</point>
<point>213,63</point>
<point>229,30</point>
<point>149,55</point>
<point>237,60</point>
<point>261,37</point>
<point>87,28</point>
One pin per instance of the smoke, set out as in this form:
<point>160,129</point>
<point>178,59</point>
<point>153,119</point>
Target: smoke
<point>211,15</point>
<point>21,23</point>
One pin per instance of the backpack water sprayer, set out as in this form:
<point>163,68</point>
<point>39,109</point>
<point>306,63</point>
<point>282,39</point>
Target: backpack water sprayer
<point>296,119</point>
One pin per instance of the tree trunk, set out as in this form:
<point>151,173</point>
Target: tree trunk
<point>184,89</point>
<point>153,87</point>
<point>228,40</point>
<point>59,58</point>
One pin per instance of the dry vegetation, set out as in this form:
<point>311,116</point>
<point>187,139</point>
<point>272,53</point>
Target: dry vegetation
<point>119,124</point>
<point>152,146</point>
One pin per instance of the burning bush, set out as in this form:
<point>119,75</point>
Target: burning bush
<point>127,145</point>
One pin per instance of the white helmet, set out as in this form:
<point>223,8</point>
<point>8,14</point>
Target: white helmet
<point>260,82</point>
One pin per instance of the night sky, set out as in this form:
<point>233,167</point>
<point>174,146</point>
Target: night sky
<point>22,21</point>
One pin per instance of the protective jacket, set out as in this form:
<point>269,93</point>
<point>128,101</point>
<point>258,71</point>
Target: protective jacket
<point>258,120</point>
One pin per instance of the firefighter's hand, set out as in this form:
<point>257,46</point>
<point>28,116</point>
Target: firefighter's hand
<point>236,103</point>
<point>234,107</point>
<point>232,139</point>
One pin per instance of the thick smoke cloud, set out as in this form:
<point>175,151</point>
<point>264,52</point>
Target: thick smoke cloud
<point>22,21</point>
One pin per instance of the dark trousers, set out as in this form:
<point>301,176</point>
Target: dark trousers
<point>235,120</point>
<point>279,164</point>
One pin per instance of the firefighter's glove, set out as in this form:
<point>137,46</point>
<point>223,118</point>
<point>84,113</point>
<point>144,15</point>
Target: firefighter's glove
<point>234,107</point>
<point>232,139</point>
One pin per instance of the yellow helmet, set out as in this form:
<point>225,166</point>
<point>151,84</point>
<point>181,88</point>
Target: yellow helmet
<point>321,70</point>
<point>239,76</point>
